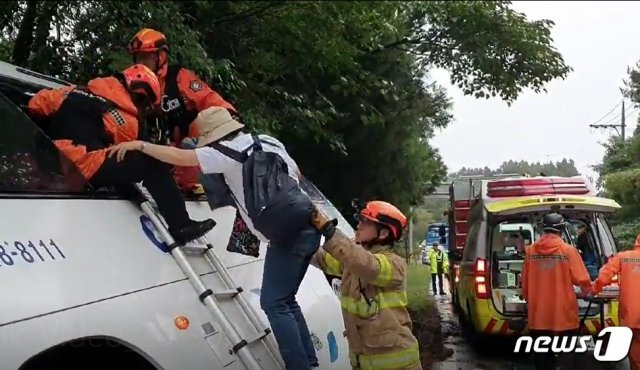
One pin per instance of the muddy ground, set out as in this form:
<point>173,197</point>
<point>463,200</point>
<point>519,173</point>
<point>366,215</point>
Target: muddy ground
<point>428,330</point>
<point>444,346</point>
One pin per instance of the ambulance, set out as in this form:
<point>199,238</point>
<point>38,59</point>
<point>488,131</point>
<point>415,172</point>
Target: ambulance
<point>86,280</point>
<point>495,220</point>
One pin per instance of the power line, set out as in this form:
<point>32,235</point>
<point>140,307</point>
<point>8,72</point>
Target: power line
<point>622,125</point>
<point>609,112</point>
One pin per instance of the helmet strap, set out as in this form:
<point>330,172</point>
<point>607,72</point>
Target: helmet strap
<point>377,240</point>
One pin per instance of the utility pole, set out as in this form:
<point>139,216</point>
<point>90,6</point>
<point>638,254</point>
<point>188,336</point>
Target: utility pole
<point>622,124</point>
<point>411,231</point>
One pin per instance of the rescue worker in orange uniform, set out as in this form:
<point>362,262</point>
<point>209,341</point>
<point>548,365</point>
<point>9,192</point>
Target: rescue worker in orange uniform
<point>626,265</point>
<point>183,96</point>
<point>83,122</point>
<point>551,269</point>
<point>372,292</point>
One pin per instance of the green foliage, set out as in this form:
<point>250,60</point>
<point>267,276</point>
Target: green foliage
<point>344,85</point>
<point>421,219</point>
<point>626,233</point>
<point>489,48</point>
<point>437,207</point>
<point>561,168</point>
<point>418,289</point>
<point>619,172</point>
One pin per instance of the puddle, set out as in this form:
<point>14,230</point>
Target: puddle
<point>489,353</point>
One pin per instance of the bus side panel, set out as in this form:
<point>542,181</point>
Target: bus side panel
<point>56,254</point>
<point>145,321</point>
<point>319,304</point>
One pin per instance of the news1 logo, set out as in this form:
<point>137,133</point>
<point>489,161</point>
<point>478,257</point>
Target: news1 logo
<point>612,344</point>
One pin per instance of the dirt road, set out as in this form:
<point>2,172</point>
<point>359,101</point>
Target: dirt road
<point>488,355</point>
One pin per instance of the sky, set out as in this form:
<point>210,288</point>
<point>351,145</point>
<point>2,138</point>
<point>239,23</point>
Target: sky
<point>600,41</point>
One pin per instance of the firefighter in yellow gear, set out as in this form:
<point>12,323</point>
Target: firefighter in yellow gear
<point>372,291</point>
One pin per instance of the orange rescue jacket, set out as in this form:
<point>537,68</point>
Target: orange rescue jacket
<point>185,96</point>
<point>118,121</point>
<point>550,270</point>
<point>626,264</point>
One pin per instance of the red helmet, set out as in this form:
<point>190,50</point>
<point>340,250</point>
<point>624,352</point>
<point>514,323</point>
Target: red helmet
<point>141,80</point>
<point>386,214</point>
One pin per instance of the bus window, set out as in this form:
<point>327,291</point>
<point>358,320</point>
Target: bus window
<point>29,162</point>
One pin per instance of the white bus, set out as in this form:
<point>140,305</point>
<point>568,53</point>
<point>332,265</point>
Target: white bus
<point>84,280</point>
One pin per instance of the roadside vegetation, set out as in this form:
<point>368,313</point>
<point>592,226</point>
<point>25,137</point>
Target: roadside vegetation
<point>425,316</point>
<point>619,171</point>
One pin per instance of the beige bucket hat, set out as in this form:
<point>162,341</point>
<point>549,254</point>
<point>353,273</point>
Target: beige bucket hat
<point>213,124</point>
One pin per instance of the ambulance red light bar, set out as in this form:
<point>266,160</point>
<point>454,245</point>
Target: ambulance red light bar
<point>537,186</point>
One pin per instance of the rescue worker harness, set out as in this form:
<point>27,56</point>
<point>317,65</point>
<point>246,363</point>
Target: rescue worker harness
<point>173,112</point>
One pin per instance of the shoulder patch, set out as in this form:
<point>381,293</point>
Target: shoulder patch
<point>120,121</point>
<point>195,85</point>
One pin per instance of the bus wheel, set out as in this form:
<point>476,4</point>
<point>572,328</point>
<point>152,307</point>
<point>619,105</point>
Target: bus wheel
<point>88,353</point>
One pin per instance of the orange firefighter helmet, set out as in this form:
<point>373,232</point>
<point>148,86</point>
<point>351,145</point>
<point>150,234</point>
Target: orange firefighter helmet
<point>149,40</point>
<point>386,214</point>
<point>142,81</point>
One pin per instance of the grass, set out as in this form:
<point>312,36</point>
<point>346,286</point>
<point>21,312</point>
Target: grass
<point>417,288</point>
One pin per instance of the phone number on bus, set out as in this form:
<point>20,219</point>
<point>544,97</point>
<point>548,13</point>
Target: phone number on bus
<point>12,252</point>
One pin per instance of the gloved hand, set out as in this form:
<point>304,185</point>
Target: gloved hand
<point>322,223</point>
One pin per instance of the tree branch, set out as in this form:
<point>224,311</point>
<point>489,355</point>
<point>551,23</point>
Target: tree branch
<point>22,46</point>
<point>251,12</point>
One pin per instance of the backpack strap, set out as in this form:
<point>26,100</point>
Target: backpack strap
<point>256,142</point>
<point>243,155</point>
<point>231,153</point>
<point>268,143</point>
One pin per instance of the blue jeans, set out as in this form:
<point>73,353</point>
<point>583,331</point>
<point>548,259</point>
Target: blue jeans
<point>284,268</point>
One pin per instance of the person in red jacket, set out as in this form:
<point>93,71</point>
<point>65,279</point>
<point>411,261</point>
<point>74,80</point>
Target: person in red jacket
<point>551,269</point>
<point>83,122</point>
<point>626,265</point>
<point>183,94</point>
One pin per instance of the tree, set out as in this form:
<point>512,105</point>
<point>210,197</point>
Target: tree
<point>566,167</point>
<point>344,84</point>
<point>619,171</point>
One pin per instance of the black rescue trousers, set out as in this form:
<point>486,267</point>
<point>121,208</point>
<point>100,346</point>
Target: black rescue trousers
<point>155,176</point>
<point>549,360</point>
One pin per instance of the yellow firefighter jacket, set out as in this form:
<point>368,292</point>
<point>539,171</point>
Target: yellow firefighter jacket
<point>374,301</point>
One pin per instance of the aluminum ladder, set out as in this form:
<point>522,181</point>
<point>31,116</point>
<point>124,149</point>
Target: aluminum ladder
<point>239,345</point>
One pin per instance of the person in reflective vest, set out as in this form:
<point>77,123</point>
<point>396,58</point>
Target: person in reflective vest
<point>183,96</point>
<point>84,121</point>
<point>372,292</point>
<point>626,265</point>
<point>439,266</point>
<point>551,268</point>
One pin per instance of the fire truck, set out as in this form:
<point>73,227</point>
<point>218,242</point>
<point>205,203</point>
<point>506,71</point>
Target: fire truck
<point>493,219</point>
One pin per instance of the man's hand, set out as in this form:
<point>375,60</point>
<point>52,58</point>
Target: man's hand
<point>322,223</point>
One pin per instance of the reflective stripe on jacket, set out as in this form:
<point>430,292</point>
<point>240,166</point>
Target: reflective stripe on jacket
<point>374,303</point>
<point>433,261</point>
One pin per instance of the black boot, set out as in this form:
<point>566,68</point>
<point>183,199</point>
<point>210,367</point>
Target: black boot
<point>193,230</point>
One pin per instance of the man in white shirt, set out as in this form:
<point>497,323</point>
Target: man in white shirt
<point>286,262</point>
